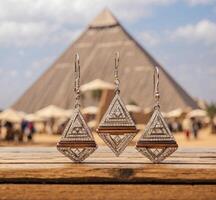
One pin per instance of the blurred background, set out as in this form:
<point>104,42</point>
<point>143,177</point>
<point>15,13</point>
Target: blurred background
<point>38,41</point>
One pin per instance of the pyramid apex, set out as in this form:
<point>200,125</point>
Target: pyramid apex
<point>104,19</point>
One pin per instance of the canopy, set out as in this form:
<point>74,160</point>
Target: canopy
<point>174,113</point>
<point>52,111</point>
<point>147,110</point>
<point>34,118</point>
<point>197,113</point>
<point>90,110</point>
<point>11,115</point>
<point>97,84</point>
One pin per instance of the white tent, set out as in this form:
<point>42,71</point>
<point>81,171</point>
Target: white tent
<point>197,113</point>
<point>174,113</point>
<point>52,111</point>
<point>11,115</point>
<point>90,110</point>
<point>34,118</point>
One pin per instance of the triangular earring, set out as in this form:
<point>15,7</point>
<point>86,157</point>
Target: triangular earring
<point>77,141</point>
<point>157,142</point>
<point>117,128</point>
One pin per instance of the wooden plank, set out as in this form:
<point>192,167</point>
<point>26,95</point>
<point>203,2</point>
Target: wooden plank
<point>47,165</point>
<point>114,192</point>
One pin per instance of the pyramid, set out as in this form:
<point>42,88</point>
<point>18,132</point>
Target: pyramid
<point>157,142</point>
<point>96,46</point>
<point>77,141</point>
<point>117,128</point>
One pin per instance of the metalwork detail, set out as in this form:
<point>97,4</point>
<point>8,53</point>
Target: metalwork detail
<point>117,143</point>
<point>117,81</point>
<point>117,128</point>
<point>157,129</point>
<point>117,114</point>
<point>157,142</point>
<point>77,141</point>
<point>157,155</point>
<point>76,154</point>
<point>77,129</point>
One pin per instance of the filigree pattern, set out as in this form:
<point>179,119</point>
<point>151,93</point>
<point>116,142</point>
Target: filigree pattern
<point>157,142</point>
<point>117,119</point>
<point>76,154</point>
<point>157,155</point>
<point>77,129</point>
<point>117,114</point>
<point>157,129</point>
<point>77,133</point>
<point>117,143</point>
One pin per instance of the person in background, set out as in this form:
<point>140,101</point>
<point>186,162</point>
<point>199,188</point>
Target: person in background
<point>24,126</point>
<point>31,131</point>
<point>195,127</point>
<point>175,126</point>
<point>187,126</point>
<point>0,130</point>
<point>9,131</point>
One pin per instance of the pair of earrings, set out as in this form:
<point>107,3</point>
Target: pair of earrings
<point>117,128</point>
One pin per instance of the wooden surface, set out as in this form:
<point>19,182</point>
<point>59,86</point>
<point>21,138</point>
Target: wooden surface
<point>29,167</point>
<point>107,192</point>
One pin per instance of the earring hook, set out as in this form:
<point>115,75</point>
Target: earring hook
<point>77,80</point>
<point>117,82</point>
<point>156,87</point>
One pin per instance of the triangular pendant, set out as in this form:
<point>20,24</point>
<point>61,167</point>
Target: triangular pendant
<point>157,142</point>
<point>117,114</point>
<point>77,141</point>
<point>117,128</point>
<point>77,129</point>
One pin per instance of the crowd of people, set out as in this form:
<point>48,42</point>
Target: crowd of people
<point>191,126</point>
<point>25,130</point>
<point>19,132</point>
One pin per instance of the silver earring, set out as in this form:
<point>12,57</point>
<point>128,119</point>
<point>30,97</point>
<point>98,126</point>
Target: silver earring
<point>117,128</point>
<point>77,141</point>
<point>157,142</point>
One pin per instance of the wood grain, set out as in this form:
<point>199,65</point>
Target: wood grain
<point>47,165</point>
<point>107,192</point>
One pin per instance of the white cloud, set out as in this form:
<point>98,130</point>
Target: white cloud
<point>11,72</point>
<point>212,71</point>
<point>200,2</point>
<point>29,22</point>
<point>33,33</point>
<point>69,11</point>
<point>204,31</point>
<point>21,34</point>
<point>149,38</point>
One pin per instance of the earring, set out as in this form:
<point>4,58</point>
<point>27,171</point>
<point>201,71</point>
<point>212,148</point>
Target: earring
<point>157,142</point>
<point>117,128</point>
<point>77,141</point>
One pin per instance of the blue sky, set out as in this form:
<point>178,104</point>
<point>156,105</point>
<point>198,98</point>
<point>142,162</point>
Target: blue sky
<point>180,34</point>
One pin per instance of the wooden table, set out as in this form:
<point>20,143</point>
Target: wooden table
<point>44,173</point>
